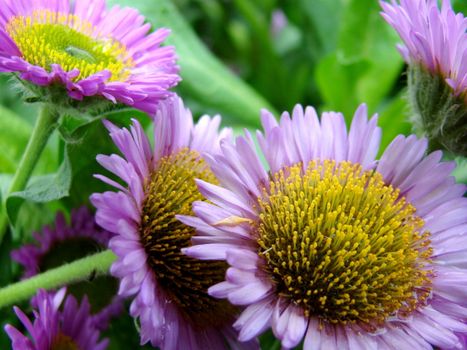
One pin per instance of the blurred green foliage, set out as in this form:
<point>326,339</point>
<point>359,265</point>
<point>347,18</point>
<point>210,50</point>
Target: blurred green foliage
<point>236,56</point>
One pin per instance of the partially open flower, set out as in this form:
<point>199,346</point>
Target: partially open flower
<point>56,326</point>
<point>64,243</point>
<point>169,288</point>
<point>435,47</point>
<point>332,247</point>
<point>82,50</point>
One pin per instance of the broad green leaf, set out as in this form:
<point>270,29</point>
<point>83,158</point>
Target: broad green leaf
<point>461,170</point>
<point>394,119</point>
<point>337,82</point>
<point>204,76</point>
<point>93,139</point>
<point>70,124</point>
<point>269,342</point>
<point>42,189</point>
<point>323,16</point>
<point>365,65</point>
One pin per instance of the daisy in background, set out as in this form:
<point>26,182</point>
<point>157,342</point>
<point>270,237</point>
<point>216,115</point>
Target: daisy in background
<point>169,288</point>
<point>330,246</point>
<point>86,50</point>
<point>57,325</point>
<point>435,48</point>
<point>63,243</point>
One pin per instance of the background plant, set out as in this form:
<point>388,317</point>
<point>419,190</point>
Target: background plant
<point>330,54</point>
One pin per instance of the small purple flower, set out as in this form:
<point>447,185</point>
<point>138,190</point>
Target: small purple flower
<point>54,246</point>
<point>332,247</point>
<point>169,288</point>
<point>69,327</point>
<point>88,50</point>
<point>435,38</point>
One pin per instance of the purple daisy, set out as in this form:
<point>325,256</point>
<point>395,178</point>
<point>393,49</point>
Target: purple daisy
<point>169,288</point>
<point>435,38</point>
<point>331,246</point>
<point>87,50</point>
<point>436,51</point>
<point>54,246</point>
<point>69,327</point>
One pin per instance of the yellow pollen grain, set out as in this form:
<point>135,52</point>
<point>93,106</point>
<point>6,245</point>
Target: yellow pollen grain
<point>342,244</point>
<point>45,38</point>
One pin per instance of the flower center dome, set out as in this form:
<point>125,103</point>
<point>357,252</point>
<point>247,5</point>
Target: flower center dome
<point>341,244</point>
<point>47,38</point>
<point>171,191</point>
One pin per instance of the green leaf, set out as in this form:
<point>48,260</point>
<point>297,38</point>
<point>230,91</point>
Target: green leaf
<point>323,15</point>
<point>42,189</point>
<point>337,83</point>
<point>394,120</point>
<point>460,172</point>
<point>93,139</point>
<point>269,342</point>
<point>71,124</point>
<point>204,76</point>
<point>366,64</point>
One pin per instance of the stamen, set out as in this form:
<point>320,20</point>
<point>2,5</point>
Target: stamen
<point>342,244</point>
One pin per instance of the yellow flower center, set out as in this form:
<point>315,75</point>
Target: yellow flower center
<point>171,190</point>
<point>343,245</point>
<point>47,37</point>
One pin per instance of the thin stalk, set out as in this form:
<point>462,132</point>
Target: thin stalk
<point>97,264</point>
<point>46,123</point>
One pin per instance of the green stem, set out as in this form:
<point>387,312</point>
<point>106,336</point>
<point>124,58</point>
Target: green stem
<point>46,123</point>
<point>78,270</point>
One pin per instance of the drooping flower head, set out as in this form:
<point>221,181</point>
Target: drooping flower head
<point>435,47</point>
<point>169,288</point>
<point>63,243</point>
<point>83,49</point>
<point>331,246</point>
<point>57,327</point>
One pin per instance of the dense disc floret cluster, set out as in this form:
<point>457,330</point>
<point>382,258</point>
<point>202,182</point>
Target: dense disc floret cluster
<point>59,324</point>
<point>85,50</point>
<point>170,191</point>
<point>331,247</point>
<point>46,37</point>
<point>341,244</point>
<point>169,288</point>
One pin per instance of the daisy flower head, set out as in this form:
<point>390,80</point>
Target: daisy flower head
<point>435,48</point>
<point>63,243</point>
<point>80,49</point>
<point>59,323</point>
<point>169,288</point>
<point>331,247</point>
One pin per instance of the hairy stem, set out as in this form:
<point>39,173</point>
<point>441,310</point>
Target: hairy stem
<point>46,123</point>
<point>97,264</point>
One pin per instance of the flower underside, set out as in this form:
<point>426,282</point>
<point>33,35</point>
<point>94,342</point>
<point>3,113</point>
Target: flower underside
<point>341,244</point>
<point>171,191</point>
<point>64,342</point>
<point>46,38</point>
